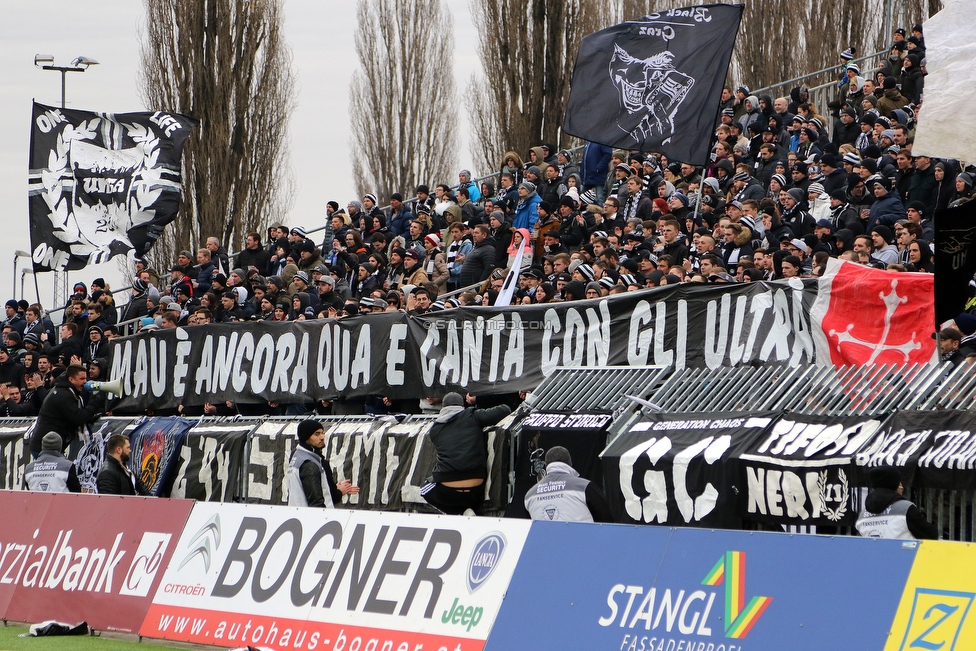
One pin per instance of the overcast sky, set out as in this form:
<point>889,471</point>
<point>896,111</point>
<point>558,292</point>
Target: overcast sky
<point>320,33</point>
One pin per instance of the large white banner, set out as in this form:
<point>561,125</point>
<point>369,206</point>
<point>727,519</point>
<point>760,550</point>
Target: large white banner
<point>335,579</point>
<point>943,129</point>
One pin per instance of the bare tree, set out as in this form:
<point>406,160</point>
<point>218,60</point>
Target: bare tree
<point>918,11</point>
<point>527,50</point>
<point>226,63</point>
<point>402,100</point>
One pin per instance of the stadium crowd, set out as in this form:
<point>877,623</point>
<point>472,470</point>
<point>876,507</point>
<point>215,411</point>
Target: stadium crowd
<point>786,189</point>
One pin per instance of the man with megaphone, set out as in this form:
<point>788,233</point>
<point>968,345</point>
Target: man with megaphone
<point>67,409</point>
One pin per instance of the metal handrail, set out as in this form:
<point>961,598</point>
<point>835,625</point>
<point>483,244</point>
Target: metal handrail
<point>833,68</point>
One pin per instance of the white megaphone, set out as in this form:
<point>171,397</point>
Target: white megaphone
<point>115,386</point>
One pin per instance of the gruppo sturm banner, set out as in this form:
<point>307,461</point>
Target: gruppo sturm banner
<point>286,577</point>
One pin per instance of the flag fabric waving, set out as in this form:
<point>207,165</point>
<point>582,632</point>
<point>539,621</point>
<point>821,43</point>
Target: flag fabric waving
<point>101,184</point>
<point>655,83</point>
<point>867,316</point>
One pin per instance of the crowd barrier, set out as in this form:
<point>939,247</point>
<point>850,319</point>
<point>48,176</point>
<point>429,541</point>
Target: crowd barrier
<point>296,578</point>
<point>245,459</point>
<point>734,470</point>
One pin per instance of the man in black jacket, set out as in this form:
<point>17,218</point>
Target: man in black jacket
<point>11,370</point>
<point>65,411</point>
<point>115,478</point>
<point>462,456</point>
<point>70,345</point>
<point>20,404</point>
<point>480,260</point>
<point>137,307</point>
<point>887,514</point>
<point>254,255</point>
<point>308,474</point>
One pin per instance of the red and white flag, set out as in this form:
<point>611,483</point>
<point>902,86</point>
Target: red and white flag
<point>867,316</point>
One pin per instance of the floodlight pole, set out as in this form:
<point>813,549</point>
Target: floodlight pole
<point>80,64</point>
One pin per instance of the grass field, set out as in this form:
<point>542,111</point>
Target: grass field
<point>9,641</point>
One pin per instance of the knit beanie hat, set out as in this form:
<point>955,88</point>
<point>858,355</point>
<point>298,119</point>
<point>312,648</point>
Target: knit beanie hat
<point>966,323</point>
<point>885,478</point>
<point>306,428</point>
<point>51,441</point>
<point>797,194</point>
<point>452,400</point>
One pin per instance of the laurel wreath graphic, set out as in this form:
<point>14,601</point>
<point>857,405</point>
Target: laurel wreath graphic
<point>834,515</point>
<point>57,175</point>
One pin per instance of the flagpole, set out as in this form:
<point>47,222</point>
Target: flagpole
<point>508,289</point>
<point>80,64</point>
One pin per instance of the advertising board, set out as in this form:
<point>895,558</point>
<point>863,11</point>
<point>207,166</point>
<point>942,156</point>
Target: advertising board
<point>334,579</point>
<point>80,557</point>
<point>624,588</point>
<point>935,612</point>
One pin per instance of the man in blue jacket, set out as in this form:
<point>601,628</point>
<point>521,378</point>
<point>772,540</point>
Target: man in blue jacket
<point>400,215</point>
<point>594,168</point>
<point>887,207</point>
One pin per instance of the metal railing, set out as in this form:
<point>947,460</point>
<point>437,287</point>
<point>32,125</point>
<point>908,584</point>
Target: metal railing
<point>795,81</point>
<point>602,388</point>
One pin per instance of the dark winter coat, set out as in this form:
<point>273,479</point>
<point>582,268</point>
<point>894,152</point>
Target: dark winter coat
<point>886,211</point>
<point>459,438</point>
<point>64,412</point>
<point>310,474</point>
<point>114,480</point>
<point>478,263</point>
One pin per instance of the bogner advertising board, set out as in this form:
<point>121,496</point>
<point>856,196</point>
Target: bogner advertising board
<point>340,580</point>
<point>623,588</point>
<point>84,557</point>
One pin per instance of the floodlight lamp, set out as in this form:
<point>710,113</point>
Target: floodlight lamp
<point>84,62</point>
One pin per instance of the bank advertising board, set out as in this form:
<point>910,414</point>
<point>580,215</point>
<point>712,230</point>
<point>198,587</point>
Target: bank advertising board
<point>84,557</point>
<point>620,588</point>
<point>283,577</point>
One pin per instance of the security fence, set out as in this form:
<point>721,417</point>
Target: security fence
<point>793,446</point>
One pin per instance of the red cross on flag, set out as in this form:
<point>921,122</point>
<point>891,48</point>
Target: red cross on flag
<point>868,316</point>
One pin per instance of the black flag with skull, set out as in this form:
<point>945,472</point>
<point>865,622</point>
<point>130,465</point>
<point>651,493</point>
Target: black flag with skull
<point>101,184</point>
<point>654,84</point>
